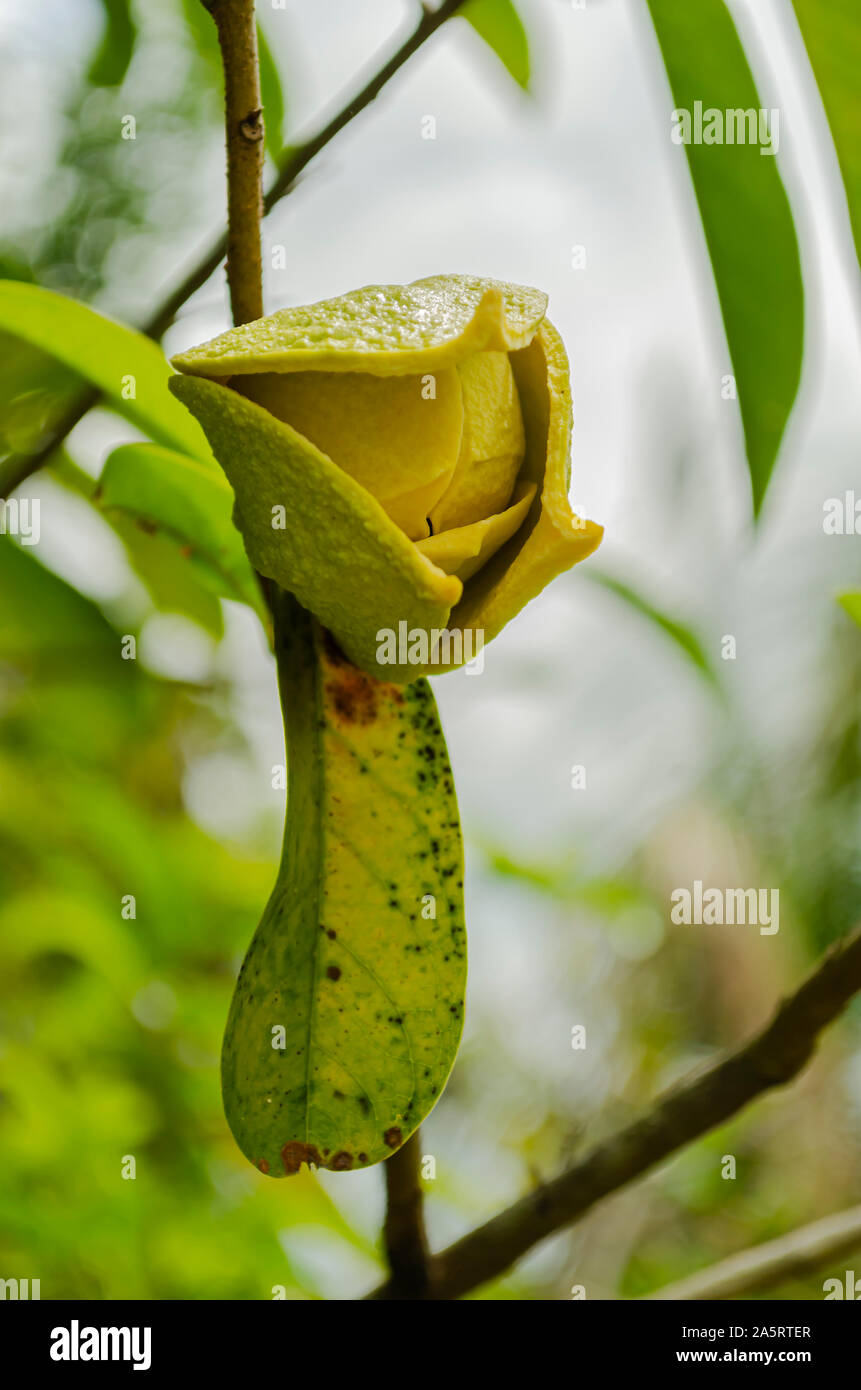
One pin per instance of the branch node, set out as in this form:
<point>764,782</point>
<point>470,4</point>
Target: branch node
<point>251,128</point>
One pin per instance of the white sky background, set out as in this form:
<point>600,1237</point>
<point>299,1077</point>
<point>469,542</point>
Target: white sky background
<point>510,184</point>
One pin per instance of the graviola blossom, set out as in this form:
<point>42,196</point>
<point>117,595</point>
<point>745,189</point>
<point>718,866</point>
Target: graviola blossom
<point>400,460</point>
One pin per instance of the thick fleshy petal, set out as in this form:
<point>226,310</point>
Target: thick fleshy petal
<point>318,533</point>
<point>387,330</point>
<point>396,437</point>
<point>553,538</point>
<point>492,448</point>
<point>464,549</point>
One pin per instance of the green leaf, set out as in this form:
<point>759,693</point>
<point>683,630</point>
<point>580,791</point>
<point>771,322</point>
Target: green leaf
<point>189,504</point>
<point>832,35</point>
<point>173,584</point>
<point>361,953</point>
<point>684,637</point>
<point>113,358</point>
<point>111,61</point>
<point>851,603</point>
<point>35,390</point>
<point>500,25</point>
<point>272,96</point>
<point>203,33</point>
<point>747,223</point>
<point>41,615</point>
<point>157,560</point>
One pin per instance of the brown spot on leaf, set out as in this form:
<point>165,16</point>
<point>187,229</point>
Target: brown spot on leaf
<point>393,1137</point>
<point>263,1165</point>
<point>342,1161</point>
<point>332,972</point>
<point>352,695</point>
<point>295,1153</point>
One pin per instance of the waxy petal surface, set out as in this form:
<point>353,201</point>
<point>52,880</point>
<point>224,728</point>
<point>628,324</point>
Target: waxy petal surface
<point>389,433</point>
<point>388,330</point>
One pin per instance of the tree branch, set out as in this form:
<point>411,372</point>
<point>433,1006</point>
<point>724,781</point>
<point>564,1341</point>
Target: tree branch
<point>295,163</point>
<point>789,1257</point>
<point>404,1232</point>
<point>703,1101</point>
<point>18,467</point>
<point>237,39</point>
<point>236,26</point>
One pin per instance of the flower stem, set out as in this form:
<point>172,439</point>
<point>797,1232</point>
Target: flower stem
<point>404,1234</point>
<point>244,132</point>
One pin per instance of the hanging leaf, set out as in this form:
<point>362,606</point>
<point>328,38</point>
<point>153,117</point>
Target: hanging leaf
<point>348,1010</point>
<point>747,223</point>
<point>188,504</point>
<point>500,25</point>
<point>130,369</point>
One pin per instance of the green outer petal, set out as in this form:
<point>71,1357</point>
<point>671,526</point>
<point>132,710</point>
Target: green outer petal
<point>338,552</point>
<point>554,538</point>
<point>384,329</point>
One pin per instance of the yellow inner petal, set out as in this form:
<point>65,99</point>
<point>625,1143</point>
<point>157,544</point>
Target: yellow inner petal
<point>492,447</point>
<point>465,549</point>
<point>399,437</point>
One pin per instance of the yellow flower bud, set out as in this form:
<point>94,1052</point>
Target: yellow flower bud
<point>413,442</point>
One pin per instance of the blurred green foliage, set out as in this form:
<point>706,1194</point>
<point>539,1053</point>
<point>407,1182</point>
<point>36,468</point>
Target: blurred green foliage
<point>111,1025</point>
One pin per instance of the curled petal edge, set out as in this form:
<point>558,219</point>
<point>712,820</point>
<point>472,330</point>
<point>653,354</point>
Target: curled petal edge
<point>387,330</point>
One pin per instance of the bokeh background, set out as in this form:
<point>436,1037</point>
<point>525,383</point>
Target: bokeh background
<point>153,777</point>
